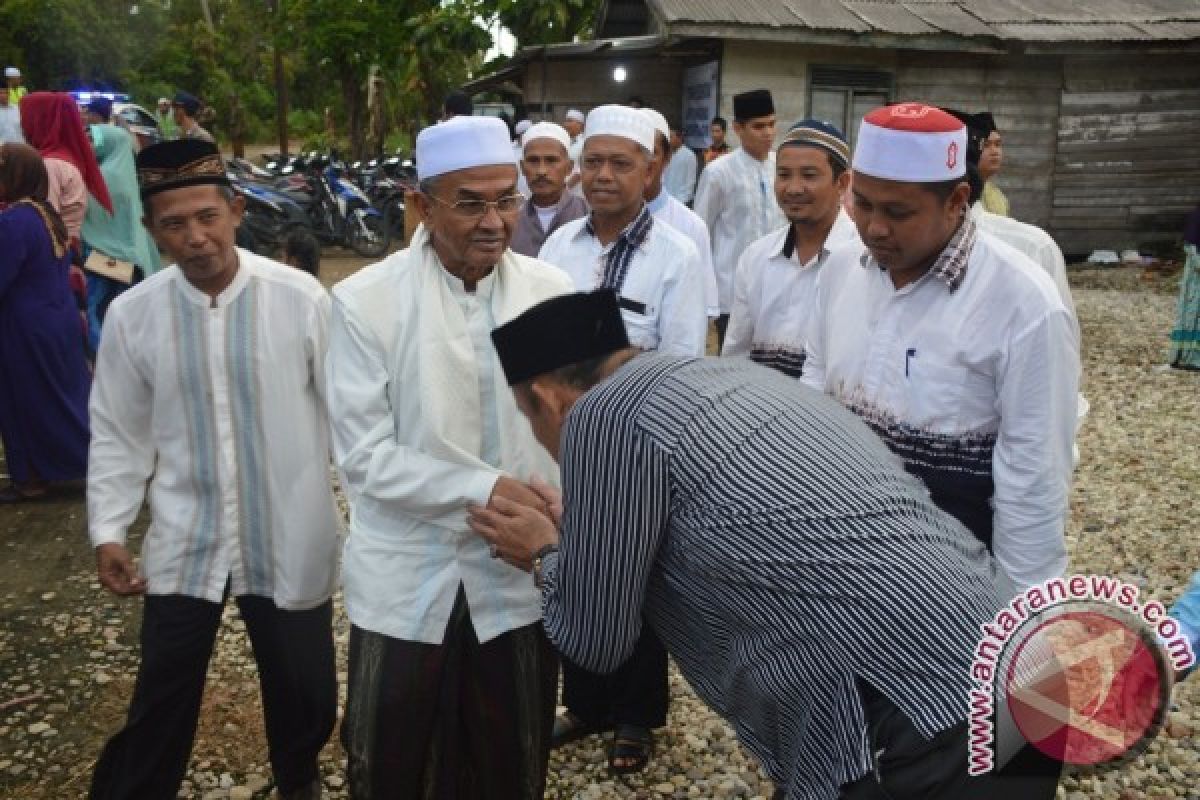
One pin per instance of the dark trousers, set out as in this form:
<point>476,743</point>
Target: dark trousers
<point>455,721</point>
<point>148,758</point>
<point>722,322</point>
<point>636,694</point>
<point>912,767</point>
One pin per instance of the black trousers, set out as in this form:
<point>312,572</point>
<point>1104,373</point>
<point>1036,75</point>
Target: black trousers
<point>455,721</point>
<point>148,758</point>
<point>911,767</point>
<point>722,322</point>
<point>636,694</point>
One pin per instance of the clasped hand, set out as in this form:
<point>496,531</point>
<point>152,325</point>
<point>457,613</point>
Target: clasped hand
<point>518,520</point>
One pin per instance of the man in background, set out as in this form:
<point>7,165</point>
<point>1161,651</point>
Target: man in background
<point>719,147</point>
<point>186,106</point>
<point>10,118</point>
<point>680,177</point>
<point>549,206</point>
<point>166,120</point>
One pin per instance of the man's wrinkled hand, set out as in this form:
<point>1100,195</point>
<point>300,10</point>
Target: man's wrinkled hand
<point>116,570</point>
<point>514,530</point>
<point>550,496</point>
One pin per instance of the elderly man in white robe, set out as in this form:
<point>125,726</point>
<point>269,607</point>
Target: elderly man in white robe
<point>451,679</point>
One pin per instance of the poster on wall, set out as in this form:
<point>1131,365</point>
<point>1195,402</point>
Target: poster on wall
<point>699,103</point>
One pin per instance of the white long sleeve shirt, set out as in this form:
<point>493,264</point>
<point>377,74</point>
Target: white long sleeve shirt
<point>679,179</point>
<point>736,200</point>
<point>417,439</point>
<point>774,295</point>
<point>970,374</point>
<point>220,407</point>
<point>662,291</point>
<point>668,209</point>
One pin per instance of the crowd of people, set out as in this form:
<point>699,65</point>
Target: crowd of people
<point>544,469</point>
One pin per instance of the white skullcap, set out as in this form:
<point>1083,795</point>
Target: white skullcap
<point>162,100</point>
<point>461,143</point>
<point>614,120</point>
<point>658,121</point>
<point>576,115</point>
<point>523,126</point>
<point>547,130</point>
<point>12,72</point>
<point>913,143</point>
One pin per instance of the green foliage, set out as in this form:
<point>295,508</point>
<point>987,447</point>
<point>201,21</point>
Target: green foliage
<point>150,48</point>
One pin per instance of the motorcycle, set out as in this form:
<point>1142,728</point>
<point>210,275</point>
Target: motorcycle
<point>341,212</point>
<point>269,217</point>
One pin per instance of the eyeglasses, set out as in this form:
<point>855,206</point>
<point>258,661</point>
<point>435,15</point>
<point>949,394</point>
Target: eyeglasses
<point>474,209</point>
<point>620,165</point>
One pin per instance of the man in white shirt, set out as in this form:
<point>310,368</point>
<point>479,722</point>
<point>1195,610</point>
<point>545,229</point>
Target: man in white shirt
<point>451,679</point>
<point>10,119</point>
<point>210,388</point>
<point>680,177</point>
<point>654,268</point>
<point>549,206</point>
<point>734,196</point>
<point>775,288</point>
<point>670,210</point>
<point>954,348</point>
<point>573,123</point>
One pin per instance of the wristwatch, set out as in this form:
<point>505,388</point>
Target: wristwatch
<point>538,557</point>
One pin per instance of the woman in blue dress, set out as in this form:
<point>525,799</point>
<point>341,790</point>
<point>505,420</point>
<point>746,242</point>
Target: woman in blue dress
<point>44,378</point>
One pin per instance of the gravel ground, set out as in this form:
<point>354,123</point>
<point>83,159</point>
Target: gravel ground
<point>68,652</point>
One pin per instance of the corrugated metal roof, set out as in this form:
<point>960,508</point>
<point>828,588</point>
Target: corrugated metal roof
<point>1012,20</point>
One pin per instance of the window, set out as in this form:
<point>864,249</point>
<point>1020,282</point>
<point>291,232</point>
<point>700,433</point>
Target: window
<point>843,95</point>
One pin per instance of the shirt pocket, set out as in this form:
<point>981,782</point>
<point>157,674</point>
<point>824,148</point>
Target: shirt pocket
<point>641,321</point>
<point>933,394</point>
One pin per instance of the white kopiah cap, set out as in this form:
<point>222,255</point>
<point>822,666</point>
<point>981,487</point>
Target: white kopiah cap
<point>576,115</point>
<point>547,130</point>
<point>461,143</point>
<point>913,143</point>
<point>658,121</point>
<point>12,72</point>
<point>614,120</point>
<point>522,126</point>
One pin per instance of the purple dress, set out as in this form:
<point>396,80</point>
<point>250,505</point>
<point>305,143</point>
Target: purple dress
<point>44,379</point>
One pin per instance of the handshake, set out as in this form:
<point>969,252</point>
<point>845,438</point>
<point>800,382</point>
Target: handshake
<point>519,520</point>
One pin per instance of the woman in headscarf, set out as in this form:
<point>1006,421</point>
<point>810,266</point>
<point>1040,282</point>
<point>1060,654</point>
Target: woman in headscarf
<point>119,235</point>
<point>53,125</point>
<point>44,379</point>
<point>1185,337</point>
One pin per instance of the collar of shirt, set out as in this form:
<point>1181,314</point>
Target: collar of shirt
<point>483,289</point>
<point>531,208</point>
<point>658,203</point>
<point>227,295</point>
<point>620,252</point>
<point>788,250</point>
<point>951,266</point>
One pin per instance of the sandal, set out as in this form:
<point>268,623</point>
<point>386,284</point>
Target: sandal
<point>632,744</point>
<point>570,728</point>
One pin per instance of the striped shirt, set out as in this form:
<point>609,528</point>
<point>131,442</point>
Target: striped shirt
<point>777,547</point>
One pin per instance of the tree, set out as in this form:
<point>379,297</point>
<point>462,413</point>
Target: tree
<point>535,22</point>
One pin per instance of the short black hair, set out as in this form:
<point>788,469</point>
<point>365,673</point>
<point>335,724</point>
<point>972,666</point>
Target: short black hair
<point>976,181</point>
<point>720,121</point>
<point>943,189</point>
<point>459,104</point>
<point>302,247</point>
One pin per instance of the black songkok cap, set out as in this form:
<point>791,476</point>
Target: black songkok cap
<point>179,163</point>
<point>979,128</point>
<point>189,102</point>
<point>558,332</point>
<point>755,103</point>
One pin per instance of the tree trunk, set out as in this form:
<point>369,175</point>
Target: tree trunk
<point>352,96</point>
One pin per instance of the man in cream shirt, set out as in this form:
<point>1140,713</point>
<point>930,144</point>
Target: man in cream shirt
<point>451,679</point>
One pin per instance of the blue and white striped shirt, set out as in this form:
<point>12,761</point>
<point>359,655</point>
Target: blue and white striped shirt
<point>778,548</point>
